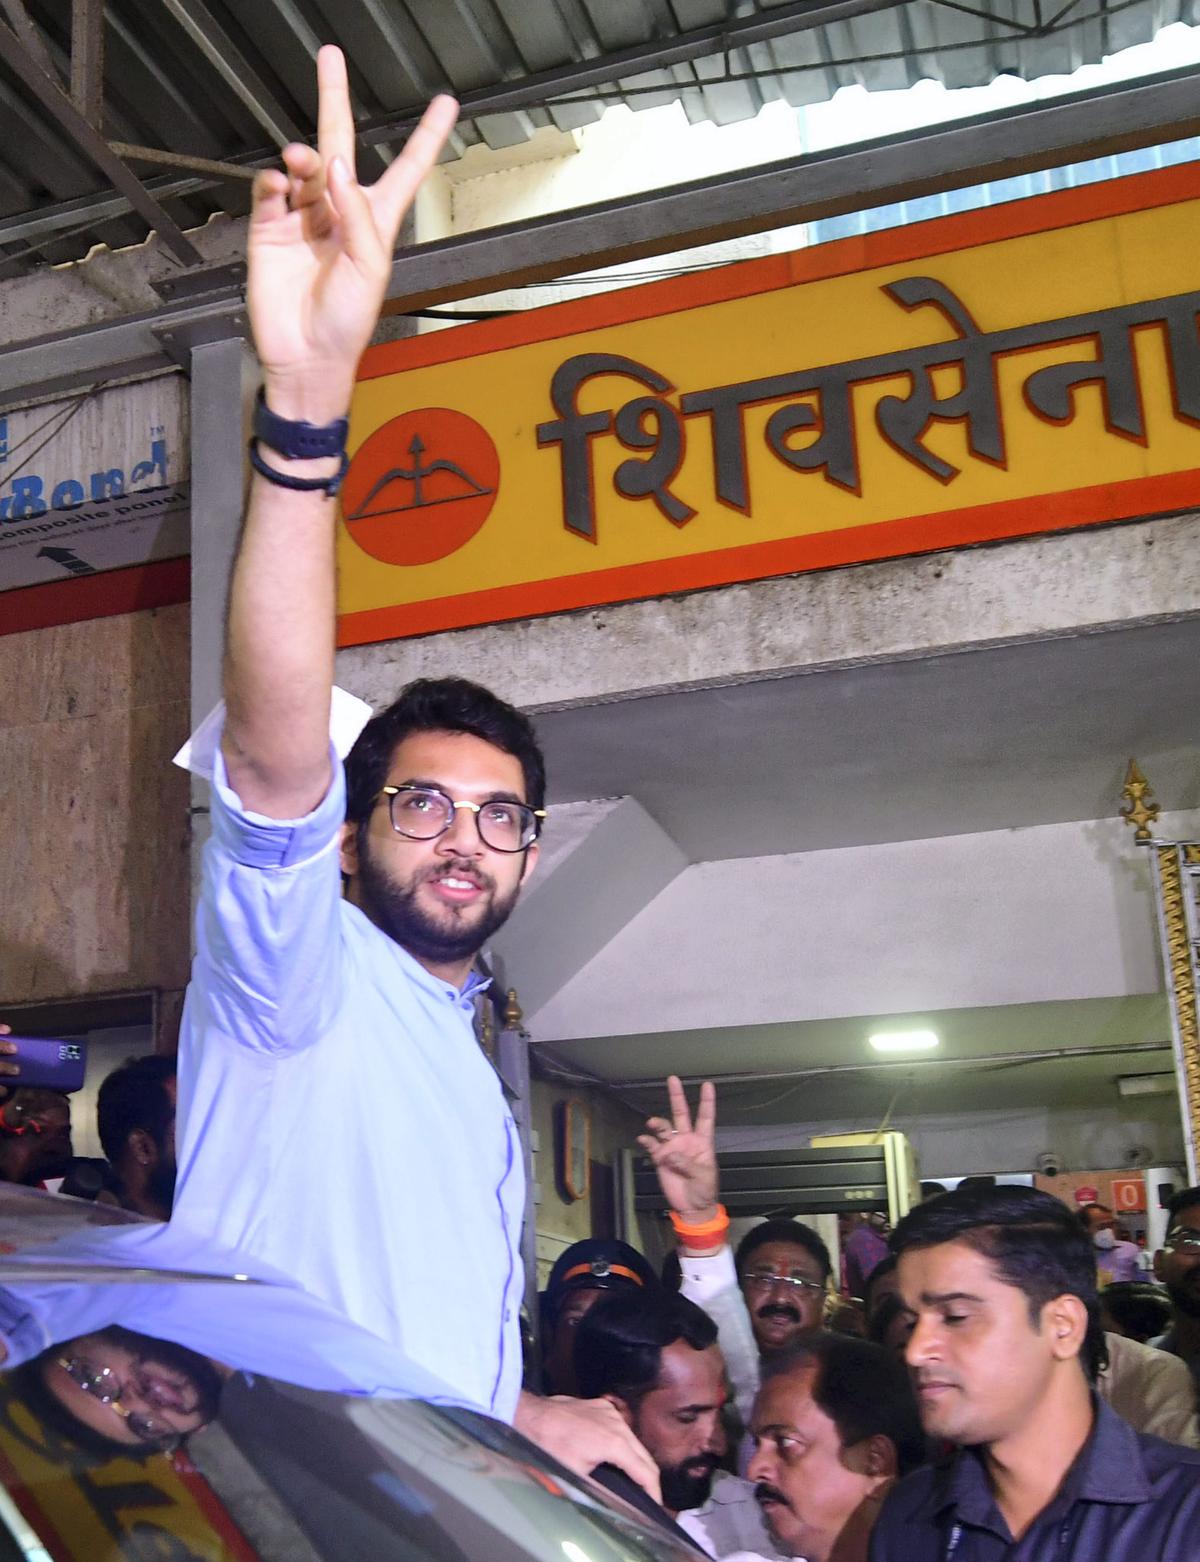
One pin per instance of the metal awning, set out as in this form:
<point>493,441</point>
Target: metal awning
<point>116,116</point>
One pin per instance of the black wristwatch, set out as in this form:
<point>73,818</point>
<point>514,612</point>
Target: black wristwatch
<point>298,441</point>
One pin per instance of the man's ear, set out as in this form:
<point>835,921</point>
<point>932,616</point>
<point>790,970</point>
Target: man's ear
<point>142,1147</point>
<point>621,1407</point>
<point>531,857</point>
<point>881,1457</point>
<point>348,848</point>
<point>1158,1266</point>
<point>1065,1319</point>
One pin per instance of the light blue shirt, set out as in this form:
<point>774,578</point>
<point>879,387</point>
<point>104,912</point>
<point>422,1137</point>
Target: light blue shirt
<point>274,1329</point>
<point>337,1119</point>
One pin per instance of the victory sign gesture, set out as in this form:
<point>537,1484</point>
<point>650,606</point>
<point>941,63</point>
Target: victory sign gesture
<point>684,1152</point>
<point>320,250</point>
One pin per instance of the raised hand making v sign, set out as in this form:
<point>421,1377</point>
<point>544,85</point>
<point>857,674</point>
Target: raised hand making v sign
<point>337,1117</point>
<point>685,1158</point>
<point>775,1292</point>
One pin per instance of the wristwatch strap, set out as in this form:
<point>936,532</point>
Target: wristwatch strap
<point>298,441</point>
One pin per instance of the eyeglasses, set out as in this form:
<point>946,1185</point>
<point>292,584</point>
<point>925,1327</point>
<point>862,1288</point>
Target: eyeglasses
<point>1185,1240</point>
<point>423,813</point>
<point>762,1279</point>
<point>103,1384</point>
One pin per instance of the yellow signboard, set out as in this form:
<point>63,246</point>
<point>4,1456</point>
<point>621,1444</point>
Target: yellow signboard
<point>1021,369</point>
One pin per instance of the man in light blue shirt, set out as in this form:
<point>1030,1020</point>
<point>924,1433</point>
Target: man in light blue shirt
<point>338,1120</point>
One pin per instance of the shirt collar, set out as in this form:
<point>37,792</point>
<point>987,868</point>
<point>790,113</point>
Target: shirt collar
<point>1108,1468</point>
<point>476,983</point>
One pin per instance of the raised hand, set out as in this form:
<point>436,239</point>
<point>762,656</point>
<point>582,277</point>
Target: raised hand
<point>684,1153</point>
<point>320,250</point>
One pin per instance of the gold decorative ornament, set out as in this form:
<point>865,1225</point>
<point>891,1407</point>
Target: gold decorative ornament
<point>513,1018</point>
<point>1140,814</point>
<point>1181,971</point>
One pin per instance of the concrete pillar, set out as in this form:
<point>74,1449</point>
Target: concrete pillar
<point>222,376</point>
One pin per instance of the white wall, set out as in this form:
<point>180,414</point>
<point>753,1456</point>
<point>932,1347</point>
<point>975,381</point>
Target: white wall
<point>623,153</point>
<point>1148,1131</point>
<point>1059,911</point>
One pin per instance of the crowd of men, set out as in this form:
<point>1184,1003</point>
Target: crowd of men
<point>342,911</point>
<point>135,1121</point>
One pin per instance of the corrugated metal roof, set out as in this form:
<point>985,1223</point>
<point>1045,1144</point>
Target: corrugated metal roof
<point>228,79</point>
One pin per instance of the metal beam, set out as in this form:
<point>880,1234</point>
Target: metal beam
<point>94,147</point>
<point>87,59</point>
<point>86,211</point>
<point>659,54</point>
<point>1048,134</point>
<point>201,165</point>
<point>1042,135</point>
<point>234,69</point>
<point>32,41</point>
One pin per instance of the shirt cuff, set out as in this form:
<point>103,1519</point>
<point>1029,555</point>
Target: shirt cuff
<point>258,842</point>
<point>708,1276</point>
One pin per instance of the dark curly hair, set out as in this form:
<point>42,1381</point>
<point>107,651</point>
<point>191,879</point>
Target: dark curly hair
<point>440,705</point>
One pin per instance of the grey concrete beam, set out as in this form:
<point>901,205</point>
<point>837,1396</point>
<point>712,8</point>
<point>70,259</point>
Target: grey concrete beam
<point>586,899</point>
<point>222,375</point>
<point>217,487</point>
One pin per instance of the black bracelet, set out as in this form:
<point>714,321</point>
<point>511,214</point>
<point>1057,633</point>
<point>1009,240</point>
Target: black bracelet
<point>327,485</point>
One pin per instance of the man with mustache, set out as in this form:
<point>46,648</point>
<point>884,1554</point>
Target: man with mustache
<point>834,1424</point>
<point>1177,1266</point>
<point>654,1355</point>
<point>1000,1284</point>
<point>315,1017</point>
<point>768,1296</point>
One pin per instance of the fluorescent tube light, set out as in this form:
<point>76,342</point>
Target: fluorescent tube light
<point>904,1041</point>
<point>1146,1084</point>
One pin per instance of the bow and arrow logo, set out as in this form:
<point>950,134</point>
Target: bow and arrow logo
<point>433,499</point>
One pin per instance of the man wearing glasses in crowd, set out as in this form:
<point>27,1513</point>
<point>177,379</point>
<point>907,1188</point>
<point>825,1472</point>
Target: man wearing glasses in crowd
<point>1177,1266</point>
<point>770,1295</point>
<point>338,1119</point>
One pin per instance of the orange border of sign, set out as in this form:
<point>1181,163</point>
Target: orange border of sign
<point>851,545</point>
<point>103,595</point>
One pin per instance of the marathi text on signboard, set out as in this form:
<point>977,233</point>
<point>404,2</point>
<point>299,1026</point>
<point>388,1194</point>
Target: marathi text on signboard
<point>1023,369</point>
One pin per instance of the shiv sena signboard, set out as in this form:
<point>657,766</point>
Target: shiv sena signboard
<point>1020,369</point>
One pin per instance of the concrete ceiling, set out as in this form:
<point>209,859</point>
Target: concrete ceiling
<point>988,1058</point>
<point>981,740</point>
<point>976,741</point>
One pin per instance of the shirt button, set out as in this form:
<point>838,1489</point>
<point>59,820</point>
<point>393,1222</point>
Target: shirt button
<point>508,1315</point>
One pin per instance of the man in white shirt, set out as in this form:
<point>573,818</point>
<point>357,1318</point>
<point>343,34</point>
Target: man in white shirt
<point>654,1355</point>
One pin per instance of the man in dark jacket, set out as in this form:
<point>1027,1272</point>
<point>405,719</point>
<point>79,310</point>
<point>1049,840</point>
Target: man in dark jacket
<point>1000,1284</point>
